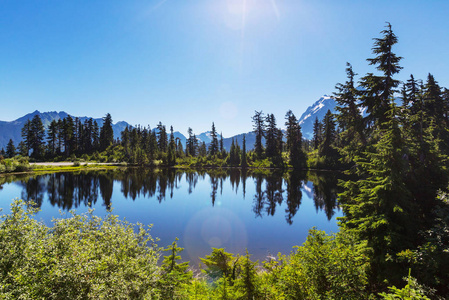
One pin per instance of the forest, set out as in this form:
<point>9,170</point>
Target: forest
<point>390,138</point>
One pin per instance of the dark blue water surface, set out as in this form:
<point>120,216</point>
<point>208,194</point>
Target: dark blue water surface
<point>235,210</point>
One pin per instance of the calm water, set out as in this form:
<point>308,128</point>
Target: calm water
<point>227,209</point>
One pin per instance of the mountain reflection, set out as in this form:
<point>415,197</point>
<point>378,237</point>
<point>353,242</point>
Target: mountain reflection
<point>271,190</point>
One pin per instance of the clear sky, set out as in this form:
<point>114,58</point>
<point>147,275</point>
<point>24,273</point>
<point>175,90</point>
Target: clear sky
<point>189,63</point>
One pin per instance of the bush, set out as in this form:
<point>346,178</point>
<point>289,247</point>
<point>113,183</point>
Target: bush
<point>81,257</point>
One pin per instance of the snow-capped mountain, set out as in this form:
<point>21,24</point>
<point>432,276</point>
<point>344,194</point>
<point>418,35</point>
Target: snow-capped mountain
<point>206,137</point>
<point>316,110</point>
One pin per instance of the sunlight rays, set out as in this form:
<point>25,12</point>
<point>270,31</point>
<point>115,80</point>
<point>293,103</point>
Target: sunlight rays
<point>275,9</point>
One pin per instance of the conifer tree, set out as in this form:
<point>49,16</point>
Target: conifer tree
<point>377,95</point>
<point>95,136</point>
<point>317,133</point>
<point>379,207</point>
<point>259,130</point>
<point>52,137</point>
<point>171,159</point>
<point>10,149</point>
<point>67,134</point>
<point>349,119</point>
<point>244,163</point>
<point>202,151</point>
<point>329,134</point>
<point>174,274</point>
<point>213,147</point>
<point>294,142</point>
<point>106,133</point>
<point>221,145</point>
<point>162,138</point>
<point>35,136</point>
<point>22,149</point>
<point>26,137</point>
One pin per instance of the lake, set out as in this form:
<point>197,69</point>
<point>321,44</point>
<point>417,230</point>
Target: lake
<point>265,212</point>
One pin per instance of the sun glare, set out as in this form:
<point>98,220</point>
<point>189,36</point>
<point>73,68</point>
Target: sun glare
<point>239,12</point>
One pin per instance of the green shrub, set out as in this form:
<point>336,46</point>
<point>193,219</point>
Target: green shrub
<point>80,257</point>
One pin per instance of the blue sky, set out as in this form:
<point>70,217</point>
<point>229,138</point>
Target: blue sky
<point>189,63</point>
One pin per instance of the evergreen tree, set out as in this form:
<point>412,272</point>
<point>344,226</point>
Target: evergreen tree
<point>174,274</point>
<point>377,95</point>
<point>171,159</point>
<point>190,143</point>
<point>27,138</point>
<point>349,118</point>
<point>244,163</point>
<point>162,142</point>
<point>329,134</point>
<point>317,133</point>
<point>222,150</point>
<point>10,149</point>
<point>213,147</point>
<point>272,148</point>
<point>294,142</point>
<point>52,137</point>
<point>95,136</point>
<point>35,136</point>
<point>202,151</point>
<point>379,207</point>
<point>106,133</point>
<point>22,149</point>
<point>259,130</point>
<point>179,149</point>
<point>67,134</point>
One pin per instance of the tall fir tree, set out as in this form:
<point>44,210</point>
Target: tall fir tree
<point>296,154</point>
<point>259,130</point>
<point>317,133</point>
<point>350,122</point>
<point>106,133</point>
<point>378,91</point>
<point>213,146</point>
<point>10,149</point>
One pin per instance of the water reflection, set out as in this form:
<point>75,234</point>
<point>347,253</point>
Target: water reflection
<point>71,190</point>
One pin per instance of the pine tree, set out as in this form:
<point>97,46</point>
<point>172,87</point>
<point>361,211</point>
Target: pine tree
<point>350,122</point>
<point>174,274</point>
<point>106,133</point>
<point>67,134</point>
<point>317,133</point>
<point>294,142</point>
<point>10,149</point>
<point>222,150</point>
<point>379,207</point>
<point>272,148</point>
<point>259,130</point>
<point>244,163</point>
<point>35,136</point>
<point>171,159</point>
<point>202,151</point>
<point>213,147</point>
<point>329,135</point>
<point>377,95</point>
<point>27,138</point>
<point>162,142</point>
<point>52,137</point>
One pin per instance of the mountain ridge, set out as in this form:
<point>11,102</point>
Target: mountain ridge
<point>12,129</point>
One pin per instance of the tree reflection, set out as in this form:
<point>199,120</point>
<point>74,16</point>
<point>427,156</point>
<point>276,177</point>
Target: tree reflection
<point>271,190</point>
<point>294,194</point>
<point>325,189</point>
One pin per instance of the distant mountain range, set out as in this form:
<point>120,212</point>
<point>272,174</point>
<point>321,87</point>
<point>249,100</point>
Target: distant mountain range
<point>12,130</point>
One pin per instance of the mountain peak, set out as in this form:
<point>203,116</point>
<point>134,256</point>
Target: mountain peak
<point>316,110</point>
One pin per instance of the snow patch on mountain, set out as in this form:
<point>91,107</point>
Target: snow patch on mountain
<point>316,110</point>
